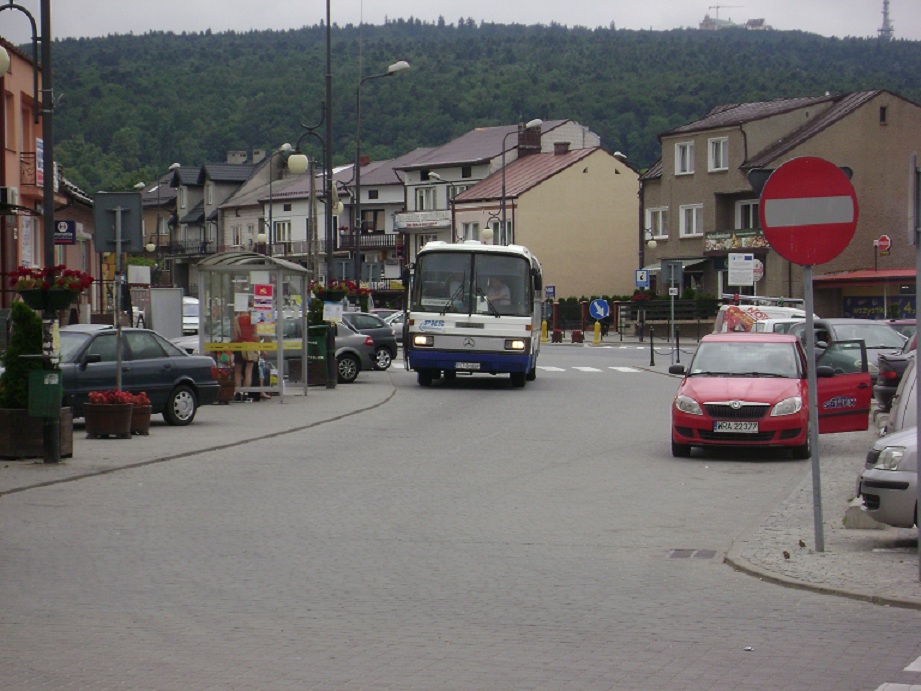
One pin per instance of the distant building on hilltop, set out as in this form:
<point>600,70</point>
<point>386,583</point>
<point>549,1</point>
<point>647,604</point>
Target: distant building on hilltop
<point>715,23</point>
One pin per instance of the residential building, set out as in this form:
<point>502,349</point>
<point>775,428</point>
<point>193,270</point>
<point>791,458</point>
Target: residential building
<point>575,209</point>
<point>698,204</point>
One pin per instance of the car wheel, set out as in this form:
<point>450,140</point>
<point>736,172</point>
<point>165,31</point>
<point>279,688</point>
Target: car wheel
<point>518,379</point>
<point>349,368</point>
<point>803,452</point>
<point>181,406</point>
<point>425,377</point>
<point>382,358</point>
<point>680,450</point>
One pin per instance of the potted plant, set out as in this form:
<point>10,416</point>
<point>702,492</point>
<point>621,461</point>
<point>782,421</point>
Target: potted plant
<point>140,414</point>
<point>108,413</point>
<point>224,376</point>
<point>21,435</point>
<point>49,289</point>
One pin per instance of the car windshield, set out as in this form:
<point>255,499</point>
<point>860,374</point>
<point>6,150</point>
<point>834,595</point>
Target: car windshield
<point>72,342</point>
<point>745,359</point>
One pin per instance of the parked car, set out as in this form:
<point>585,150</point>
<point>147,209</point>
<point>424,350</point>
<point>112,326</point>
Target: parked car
<point>746,317</point>
<point>887,485</point>
<point>176,383</point>
<point>385,344</point>
<point>906,327</point>
<point>891,368</point>
<point>190,315</point>
<point>395,322</point>
<point>383,312</point>
<point>751,389</point>
<point>877,335</point>
<point>780,326</point>
<point>903,412</point>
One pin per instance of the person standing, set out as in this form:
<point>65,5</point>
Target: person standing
<point>244,331</point>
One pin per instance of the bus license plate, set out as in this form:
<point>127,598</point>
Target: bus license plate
<point>468,365</point>
<point>736,426</point>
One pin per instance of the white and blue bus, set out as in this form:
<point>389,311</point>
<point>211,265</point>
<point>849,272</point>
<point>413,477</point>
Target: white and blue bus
<point>473,308</point>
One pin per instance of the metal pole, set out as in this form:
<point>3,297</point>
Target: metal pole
<point>915,192</point>
<point>652,351</point>
<point>357,224</point>
<point>502,233</point>
<point>328,153</point>
<point>268,235</point>
<point>116,308</point>
<point>813,430</point>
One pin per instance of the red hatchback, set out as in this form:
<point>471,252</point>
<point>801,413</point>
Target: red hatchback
<point>750,389</point>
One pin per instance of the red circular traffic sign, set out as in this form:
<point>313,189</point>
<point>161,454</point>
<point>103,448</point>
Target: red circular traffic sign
<point>884,244</point>
<point>808,211</point>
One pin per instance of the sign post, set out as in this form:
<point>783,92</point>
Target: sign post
<point>809,213</point>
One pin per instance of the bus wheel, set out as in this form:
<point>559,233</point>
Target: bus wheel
<point>532,374</point>
<point>425,377</point>
<point>518,379</point>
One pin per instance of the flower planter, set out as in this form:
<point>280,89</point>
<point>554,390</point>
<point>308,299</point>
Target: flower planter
<point>140,419</point>
<point>48,300</point>
<point>225,393</point>
<point>108,420</point>
<point>22,436</point>
<point>334,295</point>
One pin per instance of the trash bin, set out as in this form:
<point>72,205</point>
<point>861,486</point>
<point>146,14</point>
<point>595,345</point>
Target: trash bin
<point>46,389</point>
<point>316,349</point>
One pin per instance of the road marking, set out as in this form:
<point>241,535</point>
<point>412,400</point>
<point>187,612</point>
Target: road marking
<point>914,666</point>
<point>587,369</point>
<point>551,369</point>
<point>624,369</point>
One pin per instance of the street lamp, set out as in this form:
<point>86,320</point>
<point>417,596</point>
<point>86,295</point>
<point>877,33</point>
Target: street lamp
<point>283,149</point>
<point>504,235</point>
<point>395,68</point>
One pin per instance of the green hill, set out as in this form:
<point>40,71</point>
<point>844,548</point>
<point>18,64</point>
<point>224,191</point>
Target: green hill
<point>129,106</point>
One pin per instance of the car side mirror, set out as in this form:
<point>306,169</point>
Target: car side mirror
<point>676,369</point>
<point>824,371</point>
<point>90,359</point>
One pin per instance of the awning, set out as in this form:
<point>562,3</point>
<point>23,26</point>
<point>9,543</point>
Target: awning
<point>685,263</point>
<point>865,277</point>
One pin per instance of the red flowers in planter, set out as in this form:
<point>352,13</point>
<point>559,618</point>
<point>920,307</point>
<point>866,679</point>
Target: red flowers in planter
<point>118,398</point>
<point>50,278</point>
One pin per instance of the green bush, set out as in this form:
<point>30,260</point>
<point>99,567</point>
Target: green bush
<point>25,339</point>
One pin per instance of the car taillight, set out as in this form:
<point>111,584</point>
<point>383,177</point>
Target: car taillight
<point>369,341</point>
<point>888,375</point>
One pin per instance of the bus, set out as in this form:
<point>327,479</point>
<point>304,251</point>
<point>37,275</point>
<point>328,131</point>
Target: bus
<point>472,308</point>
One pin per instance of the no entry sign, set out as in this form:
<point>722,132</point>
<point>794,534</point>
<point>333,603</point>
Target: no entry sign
<point>808,211</point>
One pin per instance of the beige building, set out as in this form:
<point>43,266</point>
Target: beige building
<point>575,209</point>
<point>699,205</point>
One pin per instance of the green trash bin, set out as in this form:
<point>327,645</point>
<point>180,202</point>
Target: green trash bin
<point>316,349</point>
<point>46,389</point>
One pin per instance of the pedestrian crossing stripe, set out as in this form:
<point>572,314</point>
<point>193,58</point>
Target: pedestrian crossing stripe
<point>624,369</point>
<point>587,369</point>
<point>551,369</point>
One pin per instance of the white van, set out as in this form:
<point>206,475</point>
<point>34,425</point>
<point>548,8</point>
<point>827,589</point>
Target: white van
<point>189,316</point>
<point>747,317</point>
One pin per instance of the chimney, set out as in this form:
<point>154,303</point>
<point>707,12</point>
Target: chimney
<point>364,160</point>
<point>236,157</point>
<point>258,155</point>
<point>560,148</point>
<point>528,141</point>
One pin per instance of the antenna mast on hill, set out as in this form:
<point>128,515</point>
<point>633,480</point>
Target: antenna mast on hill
<point>886,30</point>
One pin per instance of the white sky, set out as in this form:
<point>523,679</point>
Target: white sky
<point>89,18</point>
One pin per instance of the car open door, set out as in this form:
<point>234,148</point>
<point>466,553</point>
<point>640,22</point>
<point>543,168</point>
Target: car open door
<point>844,399</point>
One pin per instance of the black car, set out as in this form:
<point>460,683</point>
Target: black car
<point>175,382</point>
<point>891,368</point>
<point>385,343</point>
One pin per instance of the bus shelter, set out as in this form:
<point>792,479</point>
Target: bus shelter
<point>266,299</point>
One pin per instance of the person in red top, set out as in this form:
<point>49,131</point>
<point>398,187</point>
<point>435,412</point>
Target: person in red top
<point>244,331</point>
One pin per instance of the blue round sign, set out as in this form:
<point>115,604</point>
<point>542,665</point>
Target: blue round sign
<point>599,309</point>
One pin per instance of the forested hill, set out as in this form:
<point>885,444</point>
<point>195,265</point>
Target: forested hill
<point>129,106</point>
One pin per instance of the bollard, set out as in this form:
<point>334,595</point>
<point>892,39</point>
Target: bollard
<point>543,331</point>
<point>677,347</point>
<point>596,338</point>
<point>332,366</point>
<point>652,352</point>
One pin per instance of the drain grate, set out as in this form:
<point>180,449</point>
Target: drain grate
<point>692,554</point>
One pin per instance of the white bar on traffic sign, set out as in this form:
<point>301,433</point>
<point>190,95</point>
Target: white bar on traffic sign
<point>808,211</point>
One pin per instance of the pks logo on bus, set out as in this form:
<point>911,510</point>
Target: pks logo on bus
<point>432,325</point>
<point>840,402</point>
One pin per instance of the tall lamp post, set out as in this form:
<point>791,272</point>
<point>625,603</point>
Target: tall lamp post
<point>504,234</point>
<point>270,235</point>
<point>51,430</point>
<point>395,68</point>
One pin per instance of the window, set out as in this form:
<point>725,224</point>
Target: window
<point>282,231</point>
<point>209,192</point>
<point>372,220</point>
<point>373,194</point>
<point>657,222</point>
<point>883,115</point>
<point>466,172</point>
<point>747,214</point>
<point>454,190</point>
<point>470,231</point>
<point>684,158</point>
<point>692,220</point>
<point>286,206</point>
<point>182,197</point>
<point>425,198</point>
<point>719,154</point>
<point>236,235</point>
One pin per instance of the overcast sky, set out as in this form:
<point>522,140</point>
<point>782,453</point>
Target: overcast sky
<point>78,18</point>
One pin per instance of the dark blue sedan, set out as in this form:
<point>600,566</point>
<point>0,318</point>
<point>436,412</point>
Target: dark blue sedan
<point>175,382</point>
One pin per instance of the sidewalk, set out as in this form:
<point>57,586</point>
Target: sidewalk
<point>878,565</point>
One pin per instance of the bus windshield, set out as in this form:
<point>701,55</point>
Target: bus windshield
<point>472,283</point>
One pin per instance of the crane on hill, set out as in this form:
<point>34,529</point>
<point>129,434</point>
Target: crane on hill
<point>719,7</point>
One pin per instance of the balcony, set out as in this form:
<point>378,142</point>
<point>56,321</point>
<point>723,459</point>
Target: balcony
<point>370,241</point>
<point>192,248</point>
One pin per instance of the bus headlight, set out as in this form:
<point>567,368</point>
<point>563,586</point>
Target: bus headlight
<point>514,344</point>
<point>423,341</point>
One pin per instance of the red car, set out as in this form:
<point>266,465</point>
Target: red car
<point>750,389</point>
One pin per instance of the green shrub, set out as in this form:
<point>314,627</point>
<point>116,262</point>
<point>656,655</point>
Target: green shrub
<point>25,339</point>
